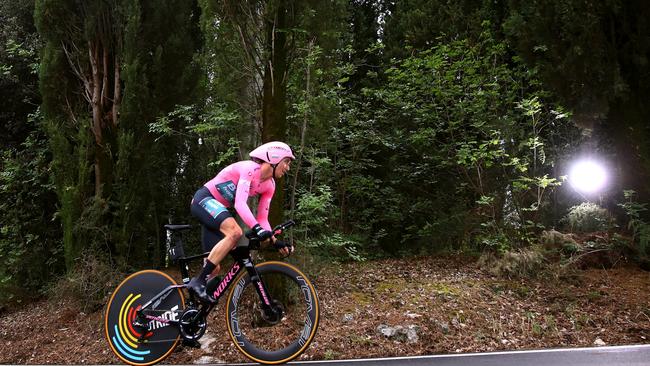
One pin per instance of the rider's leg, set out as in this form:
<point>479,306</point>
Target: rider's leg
<point>212,215</point>
<point>231,234</point>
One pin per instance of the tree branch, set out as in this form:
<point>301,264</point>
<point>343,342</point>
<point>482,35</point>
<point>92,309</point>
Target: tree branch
<point>117,92</point>
<point>78,70</point>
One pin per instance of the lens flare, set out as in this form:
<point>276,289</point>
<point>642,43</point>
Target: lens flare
<point>588,176</point>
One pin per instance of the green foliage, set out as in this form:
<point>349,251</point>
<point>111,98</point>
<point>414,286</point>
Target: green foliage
<point>314,213</point>
<point>210,129</point>
<point>415,25</point>
<point>30,244</point>
<point>639,227</point>
<point>588,217</point>
<point>494,241</point>
<point>440,120</point>
<point>19,58</point>
<point>31,251</point>
<point>314,208</point>
<point>336,247</point>
<point>579,54</point>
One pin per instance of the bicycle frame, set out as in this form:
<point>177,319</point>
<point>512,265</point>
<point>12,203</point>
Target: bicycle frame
<point>243,261</point>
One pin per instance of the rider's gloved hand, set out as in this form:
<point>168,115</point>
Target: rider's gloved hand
<point>261,233</point>
<point>283,247</point>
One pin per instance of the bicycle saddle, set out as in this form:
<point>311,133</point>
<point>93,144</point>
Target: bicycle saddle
<point>177,227</point>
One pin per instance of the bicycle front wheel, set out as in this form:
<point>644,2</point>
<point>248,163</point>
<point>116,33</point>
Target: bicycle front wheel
<point>273,341</point>
<point>154,342</point>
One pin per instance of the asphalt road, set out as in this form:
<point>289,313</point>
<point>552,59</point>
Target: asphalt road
<point>597,356</point>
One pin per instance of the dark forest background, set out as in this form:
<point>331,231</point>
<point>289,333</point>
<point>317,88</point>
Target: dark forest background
<point>420,126</point>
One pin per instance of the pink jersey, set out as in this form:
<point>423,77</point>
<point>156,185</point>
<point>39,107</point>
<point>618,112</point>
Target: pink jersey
<point>235,183</point>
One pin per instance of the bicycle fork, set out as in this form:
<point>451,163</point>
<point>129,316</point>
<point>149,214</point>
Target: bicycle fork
<point>271,309</point>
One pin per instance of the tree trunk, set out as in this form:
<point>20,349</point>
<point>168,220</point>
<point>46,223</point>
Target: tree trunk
<point>274,110</point>
<point>303,131</point>
<point>104,108</point>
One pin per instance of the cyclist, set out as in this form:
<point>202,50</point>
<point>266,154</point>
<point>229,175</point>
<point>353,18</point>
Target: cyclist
<point>231,188</point>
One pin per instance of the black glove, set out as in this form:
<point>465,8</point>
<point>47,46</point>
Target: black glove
<point>281,244</point>
<point>262,233</point>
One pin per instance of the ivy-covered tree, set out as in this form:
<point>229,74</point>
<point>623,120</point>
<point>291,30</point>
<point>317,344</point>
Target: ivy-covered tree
<point>108,68</point>
<point>154,175</point>
<point>81,90</point>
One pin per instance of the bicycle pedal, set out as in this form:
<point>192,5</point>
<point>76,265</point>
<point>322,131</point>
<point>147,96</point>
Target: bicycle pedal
<point>191,343</point>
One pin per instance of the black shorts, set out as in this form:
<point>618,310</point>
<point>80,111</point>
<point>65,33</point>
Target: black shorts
<point>211,213</point>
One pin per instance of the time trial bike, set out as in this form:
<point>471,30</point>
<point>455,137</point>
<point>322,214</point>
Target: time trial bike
<point>272,308</point>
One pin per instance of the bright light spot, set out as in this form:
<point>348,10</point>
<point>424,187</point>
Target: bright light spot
<point>587,176</point>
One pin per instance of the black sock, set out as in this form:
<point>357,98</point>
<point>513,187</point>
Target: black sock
<point>207,269</point>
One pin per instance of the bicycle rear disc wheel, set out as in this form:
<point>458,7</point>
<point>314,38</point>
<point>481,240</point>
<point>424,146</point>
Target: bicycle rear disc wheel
<point>273,341</point>
<point>153,344</point>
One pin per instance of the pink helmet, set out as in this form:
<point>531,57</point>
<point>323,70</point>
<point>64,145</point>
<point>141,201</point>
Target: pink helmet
<point>272,152</point>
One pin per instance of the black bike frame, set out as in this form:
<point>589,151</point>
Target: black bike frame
<point>243,260</point>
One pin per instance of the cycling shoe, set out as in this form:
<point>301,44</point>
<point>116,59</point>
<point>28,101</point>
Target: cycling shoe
<point>199,290</point>
<point>212,284</point>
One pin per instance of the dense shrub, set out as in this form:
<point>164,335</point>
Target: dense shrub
<point>640,228</point>
<point>31,250</point>
<point>588,217</point>
<point>89,283</point>
<point>527,262</point>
